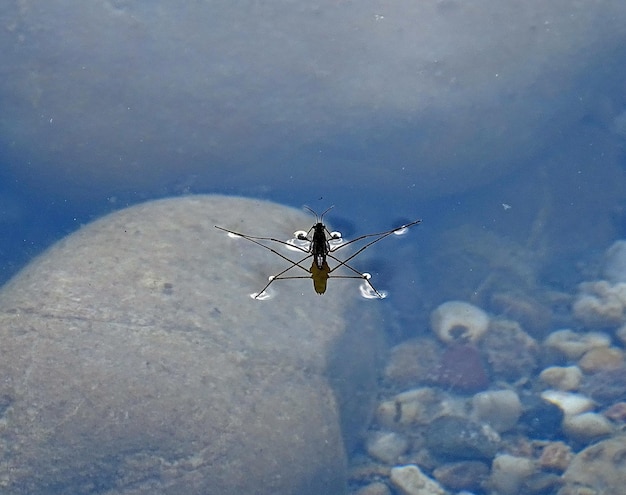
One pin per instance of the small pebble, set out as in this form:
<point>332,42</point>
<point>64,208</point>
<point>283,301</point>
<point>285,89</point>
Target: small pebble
<point>573,345</point>
<point>587,427</point>
<point>597,469</point>
<point>569,402</point>
<point>562,377</point>
<point>460,438</point>
<point>461,368</point>
<point>411,361</point>
<point>463,475</point>
<point>600,304</point>
<point>500,409</point>
<point>409,480</point>
<point>459,322</point>
<point>376,488</point>
<point>601,359</point>
<point>534,316</point>
<point>541,419</point>
<point>508,473</point>
<point>616,412</point>
<point>413,407</point>
<point>606,386</point>
<point>386,446</point>
<point>556,456</point>
<point>512,354</point>
<point>542,484</point>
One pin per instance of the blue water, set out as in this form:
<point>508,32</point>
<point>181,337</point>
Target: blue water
<point>553,211</point>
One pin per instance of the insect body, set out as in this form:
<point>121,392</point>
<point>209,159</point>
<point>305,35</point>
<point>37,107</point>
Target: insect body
<point>320,244</point>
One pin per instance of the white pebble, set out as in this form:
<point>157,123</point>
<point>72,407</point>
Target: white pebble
<point>500,409</point>
<point>508,473</point>
<point>587,427</point>
<point>409,480</point>
<point>562,377</point>
<point>458,321</point>
<point>569,402</point>
<point>386,446</point>
<point>573,345</point>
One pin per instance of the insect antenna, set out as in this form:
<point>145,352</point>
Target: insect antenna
<point>318,218</point>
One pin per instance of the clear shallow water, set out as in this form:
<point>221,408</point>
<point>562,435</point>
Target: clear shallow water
<point>545,225</point>
<point>565,208</point>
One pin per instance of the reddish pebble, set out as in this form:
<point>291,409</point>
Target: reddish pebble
<point>461,368</point>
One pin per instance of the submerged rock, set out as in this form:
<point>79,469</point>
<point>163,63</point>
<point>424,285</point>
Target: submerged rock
<point>573,345</point>
<point>134,360</point>
<point>601,304</point>
<point>460,368</point>
<point>562,377</point>
<point>587,427</point>
<point>460,438</point>
<point>462,475</point>
<point>606,387</point>
<point>459,322</point>
<point>281,93</point>
<point>511,353</point>
<point>598,469</point>
<point>500,409</point>
<point>386,446</point>
<point>541,419</point>
<point>409,480</point>
<point>508,474</point>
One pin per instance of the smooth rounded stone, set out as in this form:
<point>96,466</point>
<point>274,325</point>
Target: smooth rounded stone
<point>570,403</point>
<point>601,358</point>
<point>217,94</point>
<point>134,360</point>
<point>600,304</point>
<point>562,377</point>
<point>534,316</point>
<point>463,475</point>
<point>615,262</point>
<point>512,354</point>
<point>508,474</point>
<point>541,483</point>
<point>573,345</point>
<point>459,322</point>
<point>587,427</point>
<point>616,412</point>
<point>409,480</point>
<point>461,369</point>
<point>376,488</point>
<point>599,468</point>
<point>412,407</point>
<point>500,409</point>
<point>386,446</point>
<point>411,362</point>
<point>556,456</point>
<point>606,387</point>
<point>461,438</point>
<point>540,418</point>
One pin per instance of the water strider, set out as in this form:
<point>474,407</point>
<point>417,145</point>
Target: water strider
<point>318,243</point>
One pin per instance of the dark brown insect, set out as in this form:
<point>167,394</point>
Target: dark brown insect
<point>320,244</point>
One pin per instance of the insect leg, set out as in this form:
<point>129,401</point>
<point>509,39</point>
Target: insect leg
<point>278,275</point>
<point>362,276</point>
<point>381,235</point>
<point>256,240</point>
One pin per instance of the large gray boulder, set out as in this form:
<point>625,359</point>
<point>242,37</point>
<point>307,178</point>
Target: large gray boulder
<point>133,361</point>
<point>421,98</point>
